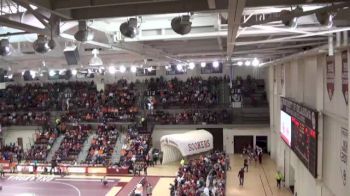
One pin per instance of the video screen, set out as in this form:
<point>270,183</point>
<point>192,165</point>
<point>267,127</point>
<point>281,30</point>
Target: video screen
<point>299,131</point>
<point>286,128</point>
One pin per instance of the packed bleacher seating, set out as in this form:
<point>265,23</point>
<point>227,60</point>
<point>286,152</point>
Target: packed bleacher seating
<point>11,152</point>
<point>42,145</point>
<point>193,117</point>
<point>74,138</point>
<point>103,145</point>
<point>24,118</point>
<point>194,92</point>
<point>135,148</point>
<point>202,176</point>
<point>47,96</point>
<point>250,92</point>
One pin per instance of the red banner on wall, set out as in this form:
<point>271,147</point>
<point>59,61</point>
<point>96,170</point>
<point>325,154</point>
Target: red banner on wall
<point>344,75</point>
<point>330,75</point>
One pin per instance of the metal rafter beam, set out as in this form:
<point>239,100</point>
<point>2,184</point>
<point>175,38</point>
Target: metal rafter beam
<point>265,3</point>
<point>74,4</point>
<point>37,15</point>
<point>235,11</point>
<point>47,6</point>
<point>24,27</point>
<point>143,9</point>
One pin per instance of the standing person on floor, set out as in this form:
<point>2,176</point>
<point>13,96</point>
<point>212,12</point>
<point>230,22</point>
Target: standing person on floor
<point>245,164</point>
<point>241,176</point>
<point>279,178</point>
<point>149,189</point>
<point>161,157</point>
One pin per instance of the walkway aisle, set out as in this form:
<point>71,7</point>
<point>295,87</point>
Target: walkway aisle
<point>259,181</point>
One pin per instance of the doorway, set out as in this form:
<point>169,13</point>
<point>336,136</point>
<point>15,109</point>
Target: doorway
<point>240,142</point>
<point>261,141</point>
<point>20,142</point>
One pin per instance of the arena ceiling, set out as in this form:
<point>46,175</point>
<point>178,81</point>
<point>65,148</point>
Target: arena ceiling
<point>225,30</point>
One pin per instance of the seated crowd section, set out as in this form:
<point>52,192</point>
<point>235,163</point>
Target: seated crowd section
<point>102,146</point>
<point>250,92</point>
<point>195,92</point>
<point>11,152</point>
<point>24,118</point>
<point>135,148</point>
<point>79,101</point>
<point>193,117</point>
<point>204,175</point>
<point>42,145</point>
<point>74,138</point>
<point>173,101</point>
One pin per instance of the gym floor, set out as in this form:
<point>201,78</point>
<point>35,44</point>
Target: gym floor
<point>259,181</point>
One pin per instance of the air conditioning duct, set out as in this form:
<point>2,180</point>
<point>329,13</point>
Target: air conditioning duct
<point>182,24</point>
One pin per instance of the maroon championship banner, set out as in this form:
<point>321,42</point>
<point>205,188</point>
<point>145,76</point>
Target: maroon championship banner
<point>330,74</point>
<point>344,75</point>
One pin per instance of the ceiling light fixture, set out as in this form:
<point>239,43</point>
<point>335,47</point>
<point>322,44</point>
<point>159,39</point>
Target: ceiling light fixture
<point>203,64</point>
<point>84,33</point>
<point>41,45</point>
<point>255,62</point>
<point>74,72</point>
<point>32,73</point>
<point>215,64</point>
<point>181,24</point>
<point>133,69</point>
<point>325,18</point>
<point>149,69</point>
<point>95,60</point>
<point>122,69</point>
<point>179,67</point>
<point>112,70</point>
<point>52,73</point>
<point>191,65</point>
<point>129,29</point>
<point>239,63</point>
<point>5,49</point>
<point>247,63</point>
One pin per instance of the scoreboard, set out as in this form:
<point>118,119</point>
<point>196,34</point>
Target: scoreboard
<point>303,142</point>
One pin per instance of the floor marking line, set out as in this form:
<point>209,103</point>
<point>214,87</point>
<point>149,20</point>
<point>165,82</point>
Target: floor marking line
<point>262,185</point>
<point>74,187</point>
<point>268,184</point>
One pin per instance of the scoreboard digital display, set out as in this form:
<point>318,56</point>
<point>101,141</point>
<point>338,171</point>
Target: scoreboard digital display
<point>303,132</point>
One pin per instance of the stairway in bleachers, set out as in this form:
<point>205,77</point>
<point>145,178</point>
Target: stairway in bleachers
<point>54,148</point>
<point>85,150</point>
<point>118,146</point>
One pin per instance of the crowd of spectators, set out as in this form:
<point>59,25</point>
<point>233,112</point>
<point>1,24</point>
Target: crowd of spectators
<point>42,145</point>
<point>135,148</point>
<point>74,138</point>
<point>24,118</point>
<point>103,145</point>
<point>203,176</point>
<point>11,152</point>
<point>47,96</point>
<point>80,100</point>
<point>194,92</point>
<point>251,92</point>
<point>193,117</point>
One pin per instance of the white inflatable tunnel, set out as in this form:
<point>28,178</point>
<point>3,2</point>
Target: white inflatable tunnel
<point>176,146</point>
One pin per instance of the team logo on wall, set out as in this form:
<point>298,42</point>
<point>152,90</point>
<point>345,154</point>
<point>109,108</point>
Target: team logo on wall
<point>330,75</point>
<point>344,75</point>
